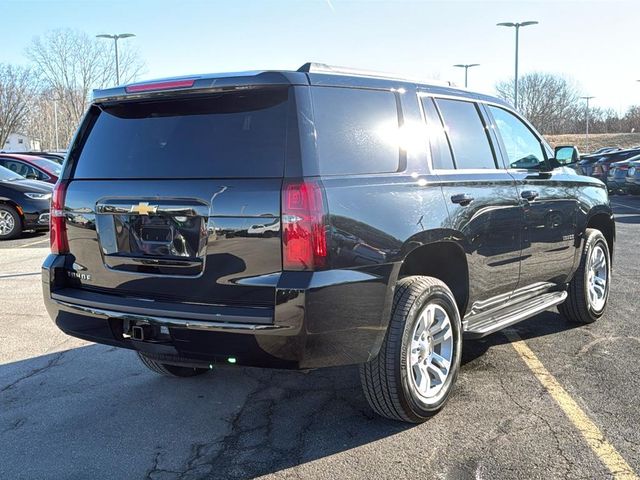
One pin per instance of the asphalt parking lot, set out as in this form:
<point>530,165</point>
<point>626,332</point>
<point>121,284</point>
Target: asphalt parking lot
<point>74,410</point>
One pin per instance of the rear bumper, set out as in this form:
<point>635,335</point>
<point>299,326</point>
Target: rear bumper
<point>319,319</point>
<point>38,221</point>
<point>35,214</point>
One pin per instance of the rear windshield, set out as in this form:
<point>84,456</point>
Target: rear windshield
<point>225,135</point>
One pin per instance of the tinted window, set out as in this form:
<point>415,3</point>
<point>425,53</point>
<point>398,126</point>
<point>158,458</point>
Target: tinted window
<point>440,151</point>
<point>523,149</point>
<point>227,135</point>
<point>21,168</point>
<point>48,165</point>
<point>467,134</point>
<point>357,130</point>
<point>8,175</point>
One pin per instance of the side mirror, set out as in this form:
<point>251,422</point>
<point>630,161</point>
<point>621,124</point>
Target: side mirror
<point>566,154</point>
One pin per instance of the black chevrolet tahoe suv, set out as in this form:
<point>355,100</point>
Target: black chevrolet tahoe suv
<point>319,217</point>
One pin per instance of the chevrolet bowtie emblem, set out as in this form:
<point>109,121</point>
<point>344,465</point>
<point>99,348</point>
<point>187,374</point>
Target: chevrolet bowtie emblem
<point>143,208</point>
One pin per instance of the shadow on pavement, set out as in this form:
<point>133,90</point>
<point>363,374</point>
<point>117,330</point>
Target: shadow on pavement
<point>33,234</point>
<point>543,324</point>
<point>95,412</point>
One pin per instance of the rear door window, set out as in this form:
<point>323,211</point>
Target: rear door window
<point>357,130</point>
<point>224,135</point>
<point>467,134</point>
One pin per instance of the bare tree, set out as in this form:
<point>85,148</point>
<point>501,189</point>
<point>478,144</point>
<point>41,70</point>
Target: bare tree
<point>17,85</point>
<point>41,121</point>
<point>549,101</point>
<point>71,64</point>
<point>631,120</point>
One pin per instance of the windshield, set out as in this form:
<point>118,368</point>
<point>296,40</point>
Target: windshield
<point>49,165</point>
<point>7,175</point>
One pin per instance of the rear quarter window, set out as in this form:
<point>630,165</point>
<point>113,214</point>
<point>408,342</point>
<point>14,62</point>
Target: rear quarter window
<point>224,135</point>
<point>356,130</point>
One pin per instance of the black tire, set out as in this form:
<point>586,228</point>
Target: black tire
<point>577,307</point>
<point>17,223</point>
<point>170,370</point>
<point>385,379</point>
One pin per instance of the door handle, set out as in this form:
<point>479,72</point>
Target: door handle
<point>462,199</point>
<point>529,195</point>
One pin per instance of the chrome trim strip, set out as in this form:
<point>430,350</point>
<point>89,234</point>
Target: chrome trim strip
<point>229,327</point>
<point>113,260</point>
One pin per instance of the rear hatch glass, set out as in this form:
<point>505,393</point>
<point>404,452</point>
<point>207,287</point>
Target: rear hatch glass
<point>221,136</point>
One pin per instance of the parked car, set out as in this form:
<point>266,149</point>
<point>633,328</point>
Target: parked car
<point>398,234</point>
<point>57,157</point>
<point>617,175</point>
<point>24,204</point>
<point>602,165</point>
<point>602,150</point>
<point>632,182</point>
<point>586,164</point>
<point>31,167</point>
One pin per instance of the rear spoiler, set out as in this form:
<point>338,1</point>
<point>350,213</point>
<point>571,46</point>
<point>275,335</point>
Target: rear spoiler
<point>199,84</point>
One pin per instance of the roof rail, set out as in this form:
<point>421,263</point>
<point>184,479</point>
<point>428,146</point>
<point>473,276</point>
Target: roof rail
<point>313,67</point>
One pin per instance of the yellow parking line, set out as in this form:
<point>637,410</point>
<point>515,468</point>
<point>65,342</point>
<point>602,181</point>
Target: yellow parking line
<point>33,243</point>
<point>617,465</point>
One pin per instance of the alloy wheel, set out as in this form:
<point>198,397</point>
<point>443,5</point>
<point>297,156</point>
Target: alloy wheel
<point>7,223</point>
<point>430,352</point>
<point>597,278</point>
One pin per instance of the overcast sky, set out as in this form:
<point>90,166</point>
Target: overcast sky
<point>595,43</point>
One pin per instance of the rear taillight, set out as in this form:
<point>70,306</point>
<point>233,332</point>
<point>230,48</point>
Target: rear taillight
<point>164,85</point>
<point>57,224</point>
<point>304,235</point>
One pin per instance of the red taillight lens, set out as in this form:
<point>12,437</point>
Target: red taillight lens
<point>57,224</point>
<point>304,236</point>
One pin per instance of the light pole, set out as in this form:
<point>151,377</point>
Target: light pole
<point>55,100</point>
<point>587,130</point>
<point>517,26</point>
<point>115,39</point>
<point>55,122</point>
<point>466,70</point>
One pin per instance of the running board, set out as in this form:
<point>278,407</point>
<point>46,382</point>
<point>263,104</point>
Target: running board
<point>491,322</point>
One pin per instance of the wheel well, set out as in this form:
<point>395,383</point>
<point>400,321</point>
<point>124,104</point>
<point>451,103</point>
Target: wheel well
<point>604,223</point>
<point>4,201</point>
<point>445,261</point>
